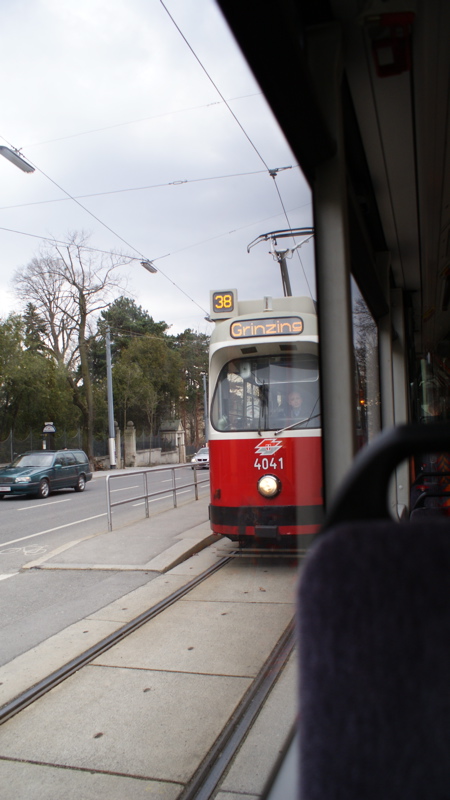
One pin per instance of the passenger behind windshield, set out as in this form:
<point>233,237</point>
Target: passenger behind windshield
<point>295,401</point>
<point>300,409</point>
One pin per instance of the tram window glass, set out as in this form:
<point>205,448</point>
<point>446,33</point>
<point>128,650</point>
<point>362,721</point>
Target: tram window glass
<point>367,383</point>
<point>430,404</point>
<point>431,391</point>
<point>258,393</point>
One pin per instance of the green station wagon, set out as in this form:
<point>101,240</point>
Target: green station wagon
<point>42,471</point>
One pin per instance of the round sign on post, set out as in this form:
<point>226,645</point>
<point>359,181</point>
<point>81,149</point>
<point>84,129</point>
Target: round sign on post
<point>49,428</point>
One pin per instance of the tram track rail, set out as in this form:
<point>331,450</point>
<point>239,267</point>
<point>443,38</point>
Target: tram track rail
<point>42,687</point>
<point>207,780</point>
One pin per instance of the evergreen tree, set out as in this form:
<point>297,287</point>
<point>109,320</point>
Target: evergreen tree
<point>193,349</point>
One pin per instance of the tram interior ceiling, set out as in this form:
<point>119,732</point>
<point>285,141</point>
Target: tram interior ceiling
<point>393,72</point>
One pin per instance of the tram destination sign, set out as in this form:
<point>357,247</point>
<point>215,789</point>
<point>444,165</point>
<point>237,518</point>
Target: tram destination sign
<point>275,326</point>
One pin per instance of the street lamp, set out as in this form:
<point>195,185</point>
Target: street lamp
<point>16,159</point>
<point>148,266</point>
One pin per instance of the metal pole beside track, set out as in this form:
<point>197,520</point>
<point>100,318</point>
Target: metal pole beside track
<point>195,483</point>
<point>108,504</point>
<point>147,512</point>
<point>174,488</point>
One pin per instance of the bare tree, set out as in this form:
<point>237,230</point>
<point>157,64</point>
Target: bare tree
<point>68,285</point>
<point>365,339</point>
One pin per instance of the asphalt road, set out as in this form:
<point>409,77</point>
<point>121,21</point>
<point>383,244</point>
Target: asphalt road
<point>36,604</point>
<point>30,527</point>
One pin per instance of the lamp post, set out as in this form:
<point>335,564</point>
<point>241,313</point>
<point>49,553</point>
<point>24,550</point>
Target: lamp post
<point>111,429</point>
<point>148,265</point>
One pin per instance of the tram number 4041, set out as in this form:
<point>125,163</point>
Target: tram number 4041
<point>269,463</point>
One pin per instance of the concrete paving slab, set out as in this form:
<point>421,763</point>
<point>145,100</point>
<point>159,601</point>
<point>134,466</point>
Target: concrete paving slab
<point>261,748</point>
<point>22,781</point>
<point>250,581</point>
<point>236,796</point>
<point>157,725</point>
<point>131,605</point>
<point>209,638</point>
<point>36,664</point>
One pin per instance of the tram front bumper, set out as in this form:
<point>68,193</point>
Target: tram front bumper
<point>268,522</point>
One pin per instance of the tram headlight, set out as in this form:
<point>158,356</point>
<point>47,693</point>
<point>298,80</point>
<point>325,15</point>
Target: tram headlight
<point>269,486</point>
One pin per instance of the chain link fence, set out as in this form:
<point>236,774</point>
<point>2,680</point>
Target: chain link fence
<point>14,445</point>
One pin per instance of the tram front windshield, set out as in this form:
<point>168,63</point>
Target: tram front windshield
<point>267,393</point>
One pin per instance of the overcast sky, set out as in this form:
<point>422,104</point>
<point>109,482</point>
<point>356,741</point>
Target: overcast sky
<point>111,106</point>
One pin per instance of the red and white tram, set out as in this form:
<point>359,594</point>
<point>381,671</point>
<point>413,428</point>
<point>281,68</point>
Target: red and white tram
<point>264,432</point>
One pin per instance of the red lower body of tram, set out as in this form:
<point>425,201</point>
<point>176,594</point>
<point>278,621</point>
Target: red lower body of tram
<point>238,510</point>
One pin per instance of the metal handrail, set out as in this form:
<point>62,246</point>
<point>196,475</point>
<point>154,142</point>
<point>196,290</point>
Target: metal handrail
<point>145,496</point>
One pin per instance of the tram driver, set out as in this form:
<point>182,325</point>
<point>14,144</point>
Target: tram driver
<point>295,401</point>
<point>296,410</point>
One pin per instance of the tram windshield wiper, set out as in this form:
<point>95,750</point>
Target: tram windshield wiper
<point>293,425</point>
<point>263,403</point>
<point>299,421</point>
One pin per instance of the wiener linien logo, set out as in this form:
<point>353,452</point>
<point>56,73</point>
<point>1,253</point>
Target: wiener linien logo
<point>267,447</point>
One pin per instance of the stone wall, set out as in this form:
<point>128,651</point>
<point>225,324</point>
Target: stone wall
<point>134,459</point>
<point>144,458</point>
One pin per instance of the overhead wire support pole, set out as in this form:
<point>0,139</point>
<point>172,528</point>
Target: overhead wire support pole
<point>293,232</point>
<point>280,255</point>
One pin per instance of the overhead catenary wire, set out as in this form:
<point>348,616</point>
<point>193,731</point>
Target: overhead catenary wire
<point>141,255</point>
<point>136,121</point>
<point>213,83</point>
<point>178,182</point>
<point>272,172</point>
<point>111,230</point>
<point>53,240</point>
<point>290,228</point>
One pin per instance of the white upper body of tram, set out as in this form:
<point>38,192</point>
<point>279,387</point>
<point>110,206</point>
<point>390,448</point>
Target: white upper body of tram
<point>264,431</point>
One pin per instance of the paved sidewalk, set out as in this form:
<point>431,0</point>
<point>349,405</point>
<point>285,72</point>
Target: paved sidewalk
<point>141,545</point>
